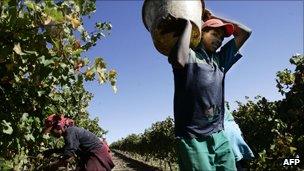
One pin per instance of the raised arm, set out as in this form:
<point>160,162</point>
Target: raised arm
<point>241,32</point>
<point>180,52</point>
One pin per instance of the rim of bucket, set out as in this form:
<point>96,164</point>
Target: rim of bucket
<point>144,6</point>
<point>143,14</point>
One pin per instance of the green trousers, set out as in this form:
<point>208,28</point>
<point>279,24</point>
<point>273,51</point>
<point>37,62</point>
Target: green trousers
<point>212,153</point>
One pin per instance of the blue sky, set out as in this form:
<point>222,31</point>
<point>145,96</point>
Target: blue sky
<point>145,79</point>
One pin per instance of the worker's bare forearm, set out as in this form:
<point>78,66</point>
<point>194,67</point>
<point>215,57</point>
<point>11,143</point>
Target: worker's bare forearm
<point>241,32</point>
<point>180,52</point>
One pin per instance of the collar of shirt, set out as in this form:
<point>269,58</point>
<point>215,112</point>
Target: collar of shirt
<point>201,49</point>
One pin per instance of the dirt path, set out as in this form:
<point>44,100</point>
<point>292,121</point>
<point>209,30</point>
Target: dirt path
<point>123,163</point>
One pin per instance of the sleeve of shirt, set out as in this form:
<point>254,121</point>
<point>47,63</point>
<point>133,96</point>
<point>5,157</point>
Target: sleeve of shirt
<point>71,143</point>
<point>228,55</point>
<point>190,58</point>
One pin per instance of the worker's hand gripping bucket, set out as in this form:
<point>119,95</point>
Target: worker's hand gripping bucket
<point>161,20</point>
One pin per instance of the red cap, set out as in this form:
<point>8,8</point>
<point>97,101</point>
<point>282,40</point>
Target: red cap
<point>56,120</point>
<point>215,23</point>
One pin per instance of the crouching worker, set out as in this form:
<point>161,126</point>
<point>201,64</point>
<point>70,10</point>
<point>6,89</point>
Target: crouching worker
<point>78,142</point>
